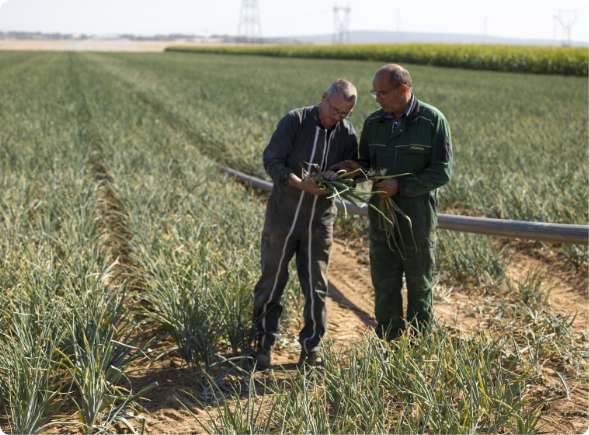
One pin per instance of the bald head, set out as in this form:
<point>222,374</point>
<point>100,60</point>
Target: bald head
<point>391,86</point>
<point>396,75</point>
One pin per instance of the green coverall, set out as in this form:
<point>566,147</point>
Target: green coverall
<point>419,143</point>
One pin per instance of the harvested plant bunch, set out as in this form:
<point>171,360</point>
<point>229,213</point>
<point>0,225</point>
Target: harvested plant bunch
<point>342,184</point>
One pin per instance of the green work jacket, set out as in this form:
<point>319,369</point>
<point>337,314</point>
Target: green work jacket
<point>419,143</point>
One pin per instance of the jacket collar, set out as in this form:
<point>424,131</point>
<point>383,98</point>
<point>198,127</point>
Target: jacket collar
<point>410,111</point>
<point>315,114</point>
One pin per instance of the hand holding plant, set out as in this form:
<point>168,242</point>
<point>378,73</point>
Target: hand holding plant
<point>388,187</point>
<point>342,185</point>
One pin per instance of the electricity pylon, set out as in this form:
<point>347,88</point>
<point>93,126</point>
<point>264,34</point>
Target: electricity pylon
<point>249,26</point>
<point>341,24</point>
<point>565,19</point>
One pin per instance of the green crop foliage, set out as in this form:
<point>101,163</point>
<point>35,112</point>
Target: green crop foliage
<point>539,60</point>
<point>431,383</point>
<point>470,260</point>
<point>119,231</point>
<point>507,128</point>
<point>520,140</point>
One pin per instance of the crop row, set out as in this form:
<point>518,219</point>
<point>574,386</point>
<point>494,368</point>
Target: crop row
<point>537,60</point>
<point>58,323</point>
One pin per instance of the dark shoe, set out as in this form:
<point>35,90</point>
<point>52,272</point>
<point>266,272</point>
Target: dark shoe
<point>263,359</point>
<point>311,359</point>
<point>388,333</point>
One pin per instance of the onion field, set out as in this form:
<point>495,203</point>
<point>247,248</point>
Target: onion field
<point>127,259</point>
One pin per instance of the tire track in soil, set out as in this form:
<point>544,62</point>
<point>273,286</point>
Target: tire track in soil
<point>354,282</point>
<point>567,296</point>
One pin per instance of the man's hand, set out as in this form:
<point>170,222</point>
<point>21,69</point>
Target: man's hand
<point>348,165</point>
<point>388,187</point>
<point>308,186</point>
<point>312,188</point>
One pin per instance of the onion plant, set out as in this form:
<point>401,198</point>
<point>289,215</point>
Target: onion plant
<point>432,382</point>
<point>97,353</point>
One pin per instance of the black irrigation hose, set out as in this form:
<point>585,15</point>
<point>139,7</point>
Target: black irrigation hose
<point>546,232</point>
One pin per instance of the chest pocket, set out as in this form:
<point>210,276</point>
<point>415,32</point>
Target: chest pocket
<point>400,158</point>
<point>413,158</point>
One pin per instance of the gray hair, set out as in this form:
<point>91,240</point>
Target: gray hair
<point>345,88</point>
<point>397,74</point>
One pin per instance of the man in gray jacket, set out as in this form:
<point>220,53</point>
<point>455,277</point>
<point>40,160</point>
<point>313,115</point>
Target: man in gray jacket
<point>299,216</point>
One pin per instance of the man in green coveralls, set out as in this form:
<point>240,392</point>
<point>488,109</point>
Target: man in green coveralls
<point>405,136</point>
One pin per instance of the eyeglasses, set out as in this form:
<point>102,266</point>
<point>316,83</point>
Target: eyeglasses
<point>377,94</point>
<point>336,112</point>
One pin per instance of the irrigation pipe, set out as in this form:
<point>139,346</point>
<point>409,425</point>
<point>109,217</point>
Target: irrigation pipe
<point>546,232</point>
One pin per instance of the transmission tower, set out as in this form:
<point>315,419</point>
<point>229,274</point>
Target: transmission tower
<point>341,24</point>
<point>249,26</point>
<point>397,19</point>
<point>485,28</point>
<point>564,20</point>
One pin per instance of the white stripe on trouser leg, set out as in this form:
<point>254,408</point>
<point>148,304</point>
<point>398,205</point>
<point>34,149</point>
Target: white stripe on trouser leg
<point>289,234</point>
<point>326,153</point>
<point>327,265</point>
<point>310,253</point>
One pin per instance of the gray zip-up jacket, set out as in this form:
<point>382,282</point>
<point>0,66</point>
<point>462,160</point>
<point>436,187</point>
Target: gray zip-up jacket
<point>299,139</point>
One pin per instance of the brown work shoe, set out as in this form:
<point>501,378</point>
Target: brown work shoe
<point>311,359</point>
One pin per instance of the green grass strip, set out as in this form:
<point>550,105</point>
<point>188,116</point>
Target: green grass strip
<point>539,60</point>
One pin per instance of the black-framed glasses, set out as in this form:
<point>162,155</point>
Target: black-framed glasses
<point>377,94</point>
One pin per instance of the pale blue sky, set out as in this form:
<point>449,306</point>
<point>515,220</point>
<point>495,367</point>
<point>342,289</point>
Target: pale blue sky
<point>509,18</point>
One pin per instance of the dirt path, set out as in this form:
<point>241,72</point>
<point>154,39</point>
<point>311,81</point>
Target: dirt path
<point>352,283</point>
<point>568,295</point>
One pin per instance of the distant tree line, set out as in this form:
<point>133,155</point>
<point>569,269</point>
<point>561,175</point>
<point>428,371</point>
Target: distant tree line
<point>41,35</point>
<point>81,36</point>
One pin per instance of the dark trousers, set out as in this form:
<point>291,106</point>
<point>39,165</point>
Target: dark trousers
<point>310,243</point>
<point>388,267</point>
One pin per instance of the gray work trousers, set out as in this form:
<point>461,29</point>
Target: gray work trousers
<point>307,232</point>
